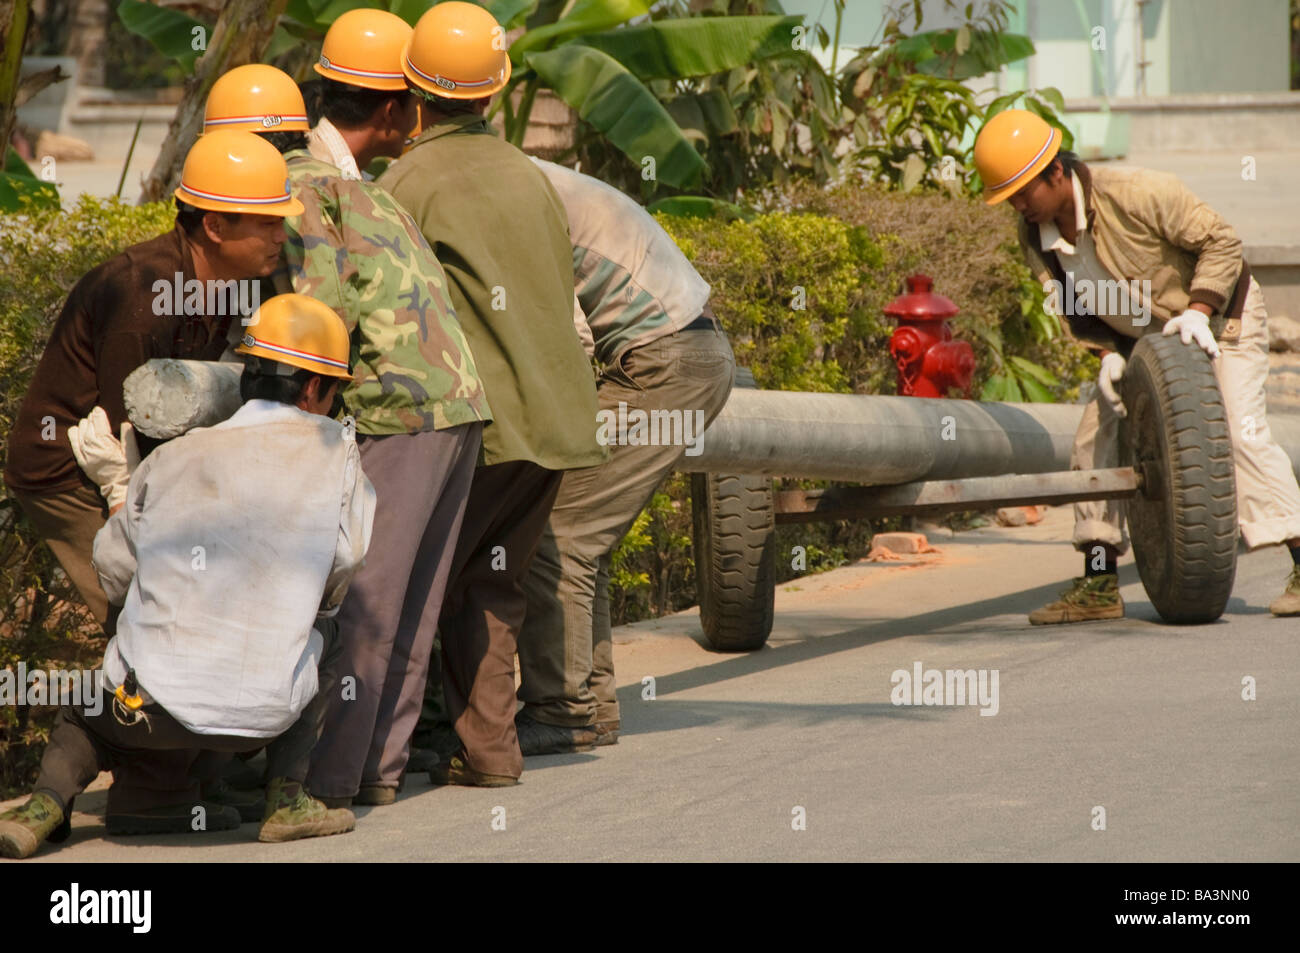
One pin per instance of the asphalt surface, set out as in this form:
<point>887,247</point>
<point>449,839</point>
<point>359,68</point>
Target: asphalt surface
<point>1142,719</point>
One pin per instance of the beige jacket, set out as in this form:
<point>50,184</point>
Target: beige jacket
<point>1148,226</point>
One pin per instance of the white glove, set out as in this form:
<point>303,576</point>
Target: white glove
<point>107,460</point>
<point>1194,325</point>
<point>1112,372</point>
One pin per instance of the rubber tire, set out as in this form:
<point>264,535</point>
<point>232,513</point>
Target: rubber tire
<point>735,558</point>
<point>1183,524</point>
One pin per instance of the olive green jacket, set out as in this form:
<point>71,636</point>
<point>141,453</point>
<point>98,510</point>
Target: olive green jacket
<point>501,234</point>
<point>1148,226</point>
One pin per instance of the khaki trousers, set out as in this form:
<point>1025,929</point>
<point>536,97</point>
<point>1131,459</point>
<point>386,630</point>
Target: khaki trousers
<point>566,657</point>
<point>1268,498</point>
<point>68,522</point>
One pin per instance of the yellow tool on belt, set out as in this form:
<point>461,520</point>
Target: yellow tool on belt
<point>128,703</point>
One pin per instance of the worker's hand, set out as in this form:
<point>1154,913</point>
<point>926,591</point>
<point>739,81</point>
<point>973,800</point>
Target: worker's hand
<point>101,456</point>
<point>1112,372</point>
<point>1194,325</point>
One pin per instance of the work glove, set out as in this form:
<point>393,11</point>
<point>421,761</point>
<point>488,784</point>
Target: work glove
<point>1112,372</point>
<point>1194,325</point>
<point>104,458</point>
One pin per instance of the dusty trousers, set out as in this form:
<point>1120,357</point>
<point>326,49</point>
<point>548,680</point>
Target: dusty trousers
<point>508,507</point>
<point>162,763</point>
<point>388,618</point>
<point>68,522</point>
<point>1268,498</point>
<point>566,656</point>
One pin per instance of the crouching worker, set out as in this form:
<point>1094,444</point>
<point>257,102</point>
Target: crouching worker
<point>232,539</point>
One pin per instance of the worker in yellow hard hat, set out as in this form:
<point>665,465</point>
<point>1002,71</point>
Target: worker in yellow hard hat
<point>237,655</point>
<point>366,111</point>
<point>501,232</point>
<point>1128,252</point>
<point>416,396</point>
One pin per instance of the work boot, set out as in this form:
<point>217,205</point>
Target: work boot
<point>22,829</point>
<point>174,819</point>
<point>606,732</point>
<point>1289,602</point>
<point>537,737</point>
<point>251,805</point>
<point>373,795</point>
<point>292,814</point>
<point>1090,598</point>
<point>456,770</point>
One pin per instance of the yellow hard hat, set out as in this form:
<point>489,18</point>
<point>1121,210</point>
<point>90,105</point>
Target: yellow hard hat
<point>363,47</point>
<point>230,171</point>
<point>256,98</point>
<point>299,331</point>
<point>457,51</point>
<point>1012,148</point>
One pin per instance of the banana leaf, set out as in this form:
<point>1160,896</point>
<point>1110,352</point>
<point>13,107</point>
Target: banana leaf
<point>170,31</point>
<point>697,46</point>
<point>509,13</point>
<point>621,108</point>
<point>698,206</point>
<point>17,181</point>
<point>587,16</point>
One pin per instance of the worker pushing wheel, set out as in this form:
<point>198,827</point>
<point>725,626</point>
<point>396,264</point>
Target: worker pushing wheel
<point>1143,271</point>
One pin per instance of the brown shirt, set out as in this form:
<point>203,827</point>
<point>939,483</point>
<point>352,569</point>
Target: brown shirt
<point>108,328</point>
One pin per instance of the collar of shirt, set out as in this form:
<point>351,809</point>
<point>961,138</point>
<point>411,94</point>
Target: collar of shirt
<point>445,127</point>
<point>337,152</point>
<point>258,411</point>
<point>1050,236</point>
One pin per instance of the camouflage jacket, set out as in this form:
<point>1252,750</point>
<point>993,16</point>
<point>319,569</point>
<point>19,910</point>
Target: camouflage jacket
<point>356,249</point>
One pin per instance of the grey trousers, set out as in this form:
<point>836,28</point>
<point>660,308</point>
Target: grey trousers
<point>162,763</point>
<point>389,615</point>
<point>566,654</point>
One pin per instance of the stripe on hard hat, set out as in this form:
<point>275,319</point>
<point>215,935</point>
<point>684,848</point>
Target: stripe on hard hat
<point>1051,134</point>
<point>234,199</point>
<point>368,73</point>
<point>258,118</point>
<point>442,81</point>
<point>293,352</point>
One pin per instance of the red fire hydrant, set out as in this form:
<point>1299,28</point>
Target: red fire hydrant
<point>929,361</point>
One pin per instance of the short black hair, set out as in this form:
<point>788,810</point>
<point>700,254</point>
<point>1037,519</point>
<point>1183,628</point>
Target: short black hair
<point>1069,163</point>
<point>286,141</point>
<point>260,382</point>
<point>190,219</point>
<point>451,107</point>
<point>350,106</point>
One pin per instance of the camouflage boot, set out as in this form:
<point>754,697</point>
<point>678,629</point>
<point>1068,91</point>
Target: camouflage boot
<point>22,829</point>
<point>1289,602</point>
<point>292,814</point>
<point>1090,598</point>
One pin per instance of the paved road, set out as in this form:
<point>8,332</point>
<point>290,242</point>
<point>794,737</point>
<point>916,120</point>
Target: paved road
<point>1144,720</point>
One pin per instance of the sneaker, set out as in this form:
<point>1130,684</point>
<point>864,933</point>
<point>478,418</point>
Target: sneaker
<point>22,829</point>
<point>292,814</point>
<point>537,737</point>
<point>1090,598</point>
<point>456,770</point>
<point>251,805</point>
<point>1289,602</point>
<point>175,819</point>
<point>606,732</point>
